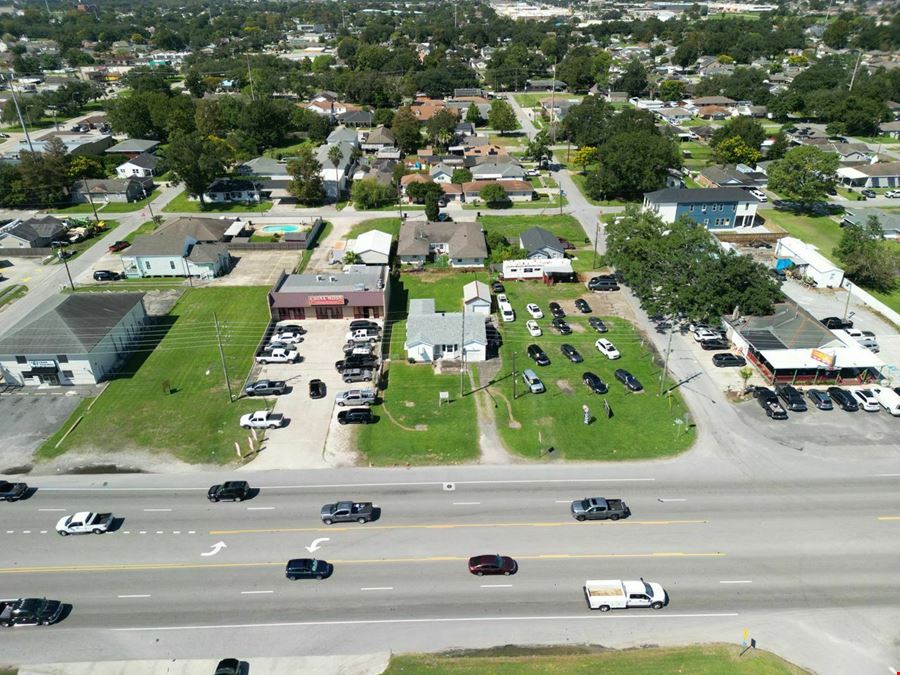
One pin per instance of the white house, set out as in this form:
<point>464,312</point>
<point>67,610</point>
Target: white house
<point>440,336</point>
<point>142,166</point>
<point>77,339</point>
<point>477,298</point>
<point>336,177</point>
<point>372,247</point>
<point>441,173</point>
<point>810,262</point>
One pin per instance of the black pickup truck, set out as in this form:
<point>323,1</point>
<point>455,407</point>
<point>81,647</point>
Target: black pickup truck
<point>265,388</point>
<point>29,612</point>
<point>11,492</point>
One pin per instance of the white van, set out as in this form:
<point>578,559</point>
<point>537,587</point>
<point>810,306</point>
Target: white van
<point>532,381</point>
<point>507,313</point>
<point>888,399</point>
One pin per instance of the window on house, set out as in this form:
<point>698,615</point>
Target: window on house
<point>691,207</point>
<point>172,264</point>
<point>68,374</point>
<point>62,358</point>
<point>706,221</point>
<point>21,359</point>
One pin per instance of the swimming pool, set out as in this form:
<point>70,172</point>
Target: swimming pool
<point>281,228</point>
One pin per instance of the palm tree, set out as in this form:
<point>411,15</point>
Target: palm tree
<point>335,155</point>
<point>352,258</point>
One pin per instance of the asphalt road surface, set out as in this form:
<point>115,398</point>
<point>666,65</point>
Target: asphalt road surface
<point>809,568</point>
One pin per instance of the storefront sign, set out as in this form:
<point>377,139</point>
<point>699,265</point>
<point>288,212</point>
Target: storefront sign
<point>43,364</point>
<point>823,357</point>
<point>316,300</point>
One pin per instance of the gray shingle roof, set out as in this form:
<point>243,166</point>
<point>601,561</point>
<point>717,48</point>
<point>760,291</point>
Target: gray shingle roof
<point>144,161</point>
<point>700,196</point>
<point>74,324</point>
<point>133,145</point>
<point>444,328</point>
<point>36,228</point>
<point>465,240</point>
<point>537,238</point>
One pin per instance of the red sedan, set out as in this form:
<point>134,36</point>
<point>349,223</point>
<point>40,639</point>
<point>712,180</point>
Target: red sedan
<point>492,564</point>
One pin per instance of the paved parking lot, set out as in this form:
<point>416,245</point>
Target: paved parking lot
<point>28,271</point>
<point>312,438</point>
<point>259,268</point>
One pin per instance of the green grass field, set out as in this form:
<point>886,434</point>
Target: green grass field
<point>701,155</point>
<point>10,294</point>
<point>144,228</point>
<point>195,422</point>
<point>511,227</point>
<point>533,100</point>
<point>714,659</point>
<point>389,225</point>
<point>181,204</point>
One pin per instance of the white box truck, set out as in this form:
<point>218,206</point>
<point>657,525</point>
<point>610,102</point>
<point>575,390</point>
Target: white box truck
<point>888,399</point>
<point>610,594</point>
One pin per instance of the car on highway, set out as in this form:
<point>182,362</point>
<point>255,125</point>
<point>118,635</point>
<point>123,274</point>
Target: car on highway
<point>347,512</point>
<point>317,389</point>
<point>629,380</point>
<point>29,612</point>
<point>265,388</point>
<point>11,492</point>
<point>84,522</point>
<point>866,400</point>
<point>819,399</point>
<point>712,345</point>
<point>728,360</point>
<point>594,383</point>
<point>229,491</point>
<point>843,399</point>
<point>480,565</point>
<point>556,310</point>
<point>598,508</point>
<point>308,568</point>
<point>571,353</point>
<point>534,330</point>
<point>607,348</point>
<point>228,667</point>
<point>538,355</point>
<point>562,326</point>
<point>582,306</point>
<point>356,416</point>
<point>768,401</point>
<point>534,311</point>
<point>597,324</point>
<point>793,399</point>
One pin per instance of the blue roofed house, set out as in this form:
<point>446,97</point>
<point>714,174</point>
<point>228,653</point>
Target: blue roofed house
<point>714,208</point>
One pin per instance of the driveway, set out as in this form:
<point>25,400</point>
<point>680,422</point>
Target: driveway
<point>259,268</point>
<point>301,444</point>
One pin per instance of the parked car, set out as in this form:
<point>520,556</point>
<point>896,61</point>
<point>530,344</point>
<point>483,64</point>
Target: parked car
<point>582,306</point>
<point>556,310</point>
<point>492,564</point>
<point>362,335</point>
<point>265,388</point>
<point>607,348</point>
<point>278,355</point>
<point>594,383</point>
<point>229,491</point>
<point>444,218</point>
<point>532,381</point>
<point>713,344</point>
<point>497,287</point>
<point>534,330</point>
<point>759,194</point>
<point>228,667</point>
<point>866,400</point>
<point>759,243</point>
<point>502,299</point>
<point>843,399</point>
<point>289,336</point>
<point>892,194</point>
<point>597,325</point>
<point>118,246</point>
<point>629,380</point>
<point>11,492</point>
<point>356,361</point>
<point>768,401</point>
<point>363,324</point>
<point>534,310</point>
<point>871,194</point>
<point>105,275</point>
<point>356,416</point>
<point>793,399</point>
<point>350,375</point>
<point>317,389</point>
<point>562,326</point>
<point>836,323</point>
<point>702,334</point>
<point>820,399</point>
<point>603,283</point>
<point>728,360</point>
<point>308,568</point>
<point>570,353</point>
<point>536,354</point>
<point>355,397</point>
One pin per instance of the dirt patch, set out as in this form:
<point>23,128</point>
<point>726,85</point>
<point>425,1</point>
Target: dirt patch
<point>421,427</point>
<point>577,328</point>
<point>409,404</point>
<point>544,421</point>
<point>160,303</point>
<point>565,387</point>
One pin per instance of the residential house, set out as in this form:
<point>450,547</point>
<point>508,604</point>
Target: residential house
<point>556,107</point>
<point>233,190</point>
<point>424,108</point>
<point>378,139</point>
<point>372,247</point>
<point>542,84</point>
<point>38,232</point>
<point>132,147</point>
<point>357,119</point>
<point>891,129</point>
<point>75,144</point>
<point>516,190</point>
<point>848,153</point>
<point>379,170</point>
<point>75,339</point>
<point>441,173</point>
<point>540,243</point>
<point>888,220</point>
<point>882,174</point>
<point>721,101</point>
<point>327,104</point>
<point>808,262</point>
<point>410,178</point>
<point>486,150</point>
<point>142,166</point>
<point>750,110</point>
<point>343,135</point>
<point>619,97</point>
<point>183,247</point>
<point>452,191</point>
<point>712,112</point>
<point>675,115</point>
<point>464,129</point>
<point>335,178</point>
<point>265,167</point>
<point>732,175</point>
<point>462,242</point>
<point>498,170</point>
<point>470,92</point>
<point>714,208</point>
<point>118,190</point>
<point>477,298</point>
<point>438,336</point>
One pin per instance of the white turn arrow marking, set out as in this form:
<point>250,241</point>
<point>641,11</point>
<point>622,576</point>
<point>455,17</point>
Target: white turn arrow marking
<point>315,545</point>
<point>218,546</point>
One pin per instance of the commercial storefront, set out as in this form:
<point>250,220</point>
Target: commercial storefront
<point>360,293</point>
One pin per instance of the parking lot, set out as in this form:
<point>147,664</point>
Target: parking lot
<point>27,271</point>
<point>312,438</point>
<point>259,268</point>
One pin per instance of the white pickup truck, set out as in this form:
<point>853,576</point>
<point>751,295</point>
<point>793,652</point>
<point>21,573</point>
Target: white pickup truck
<point>262,419</point>
<point>888,399</point>
<point>84,522</point>
<point>278,356</point>
<point>610,594</point>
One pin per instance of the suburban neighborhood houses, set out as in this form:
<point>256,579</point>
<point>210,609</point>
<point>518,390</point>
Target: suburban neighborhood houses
<point>431,286</point>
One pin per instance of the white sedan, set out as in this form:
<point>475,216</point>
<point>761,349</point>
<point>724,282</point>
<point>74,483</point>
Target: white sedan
<point>607,348</point>
<point>501,299</point>
<point>703,334</point>
<point>534,310</point>
<point>533,329</point>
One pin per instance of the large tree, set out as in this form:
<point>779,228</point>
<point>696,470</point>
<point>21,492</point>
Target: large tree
<point>502,117</point>
<point>493,194</point>
<point>805,174</point>
<point>306,184</point>
<point>633,79</point>
<point>749,130</point>
<point>440,128</point>
<point>585,123</point>
<point>196,160</point>
<point>631,164</point>
<point>867,258</point>
<point>406,130</point>
<point>370,194</point>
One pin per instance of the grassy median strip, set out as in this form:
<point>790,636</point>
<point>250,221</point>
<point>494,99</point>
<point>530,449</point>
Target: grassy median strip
<point>170,396</point>
<point>716,659</point>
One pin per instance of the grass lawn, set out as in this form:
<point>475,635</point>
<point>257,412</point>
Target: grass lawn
<point>579,179</point>
<point>75,208</point>
<point>307,253</point>
<point>508,139</point>
<point>583,260</point>
<point>181,204</point>
<point>145,228</point>
<point>511,227</point>
<point>887,140</point>
<point>389,225</point>
<point>701,155</point>
<point>10,294</point>
<point>715,659</point>
<point>534,99</point>
<point>82,246</point>
<point>643,425</point>
<point>287,150</point>
<point>194,422</point>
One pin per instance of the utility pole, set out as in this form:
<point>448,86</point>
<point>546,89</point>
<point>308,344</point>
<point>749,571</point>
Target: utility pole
<point>596,239</point>
<point>65,260</point>
<point>847,304</point>
<point>12,90</point>
<point>87,189</point>
<point>462,352</point>
<point>250,77</point>
<point>553,102</point>
<point>222,354</point>
<point>514,376</point>
<point>853,77</point>
<point>662,377</point>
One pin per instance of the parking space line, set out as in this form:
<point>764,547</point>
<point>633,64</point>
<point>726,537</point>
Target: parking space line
<point>157,510</point>
<point>737,581</point>
<point>496,585</point>
<point>377,588</point>
<point>137,595</point>
<point>255,592</point>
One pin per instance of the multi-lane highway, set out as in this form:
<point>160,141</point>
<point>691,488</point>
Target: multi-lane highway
<point>811,569</point>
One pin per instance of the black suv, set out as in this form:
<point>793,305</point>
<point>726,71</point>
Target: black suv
<point>597,325</point>
<point>356,416</point>
<point>356,361</point>
<point>836,323</point>
<point>792,398</point>
<point>105,275</point>
<point>582,306</point>
<point>843,399</point>
<point>536,354</point>
<point>561,325</point>
<point>594,383</point>
<point>570,353</point>
<point>12,491</point>
<point>728,360</point>
<point>556,310</point>
<point>233,490</point>
<point>628,380</point>
<point>364,324</point>
<point>603,283</point>
<point>307,568</point>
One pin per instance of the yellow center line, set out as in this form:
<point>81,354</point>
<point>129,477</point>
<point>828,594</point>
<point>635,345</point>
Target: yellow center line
<point>451,526</point>
<point>888,517</point>
<point>138,567</point>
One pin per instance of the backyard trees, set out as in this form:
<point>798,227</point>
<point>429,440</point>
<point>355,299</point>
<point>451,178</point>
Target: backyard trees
<point>494,194</point>
<point>406,130</point>
<point>196,160</point>
<point>734,150</point>
<point>632,163</point>
<point>805,174</point>
<point>306,184</point>
<point>370,194</point>
<point>502,117</point>
<point>867,258</point>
